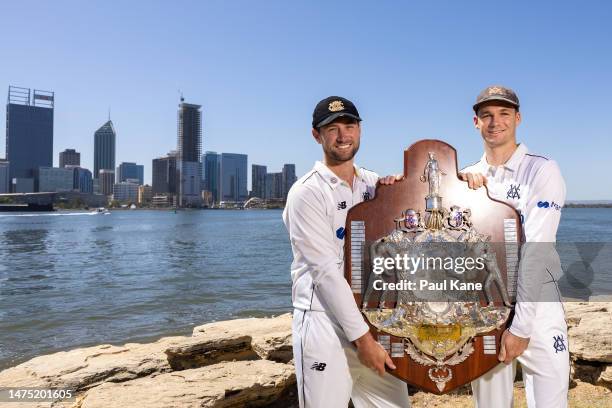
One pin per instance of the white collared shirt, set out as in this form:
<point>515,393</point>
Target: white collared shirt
<point>315,217</point>
<point>533,185</point>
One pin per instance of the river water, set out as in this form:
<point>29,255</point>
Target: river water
<point>74,279</point>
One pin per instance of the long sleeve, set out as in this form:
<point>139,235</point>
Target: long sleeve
<point>317,260</point>
<point>539,259</point>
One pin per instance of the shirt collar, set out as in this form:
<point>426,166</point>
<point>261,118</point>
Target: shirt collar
<point>512,163</point>
<point>330,177</point>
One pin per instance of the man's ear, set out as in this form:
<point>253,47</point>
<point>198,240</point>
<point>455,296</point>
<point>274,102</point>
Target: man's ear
<point>316,135</point>
<point>476,124</point>
<point>518,118</point>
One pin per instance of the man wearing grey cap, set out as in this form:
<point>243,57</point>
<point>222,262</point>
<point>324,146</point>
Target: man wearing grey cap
<point>336,357</point>
<point>533,185</point>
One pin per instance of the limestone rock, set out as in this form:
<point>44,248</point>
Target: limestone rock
<point>83,368</point>
<point>590,338</point>
<point>205,350</point>
<point>575,310</point>
<point>229,384</point>
<point>271,337</point>
<point>605,378</point>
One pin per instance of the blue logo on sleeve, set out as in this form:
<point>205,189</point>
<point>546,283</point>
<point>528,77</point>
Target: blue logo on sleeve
<point>340,233</point>
<point>546,204</point>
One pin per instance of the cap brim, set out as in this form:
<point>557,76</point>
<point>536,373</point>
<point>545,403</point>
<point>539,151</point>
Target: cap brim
<point>495,98</point>
<point>335,116</point>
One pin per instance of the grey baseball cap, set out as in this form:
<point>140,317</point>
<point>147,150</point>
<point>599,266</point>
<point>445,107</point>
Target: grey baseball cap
<point>496,93</point>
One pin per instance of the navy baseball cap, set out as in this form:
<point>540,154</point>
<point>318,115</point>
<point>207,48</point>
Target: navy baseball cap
<point>332,108</point>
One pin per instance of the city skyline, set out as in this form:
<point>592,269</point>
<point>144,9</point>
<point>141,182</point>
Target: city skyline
<point>413,71</point>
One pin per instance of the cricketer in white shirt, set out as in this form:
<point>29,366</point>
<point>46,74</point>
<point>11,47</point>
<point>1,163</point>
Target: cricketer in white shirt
<point>326,317</point>
<point>534,186</point>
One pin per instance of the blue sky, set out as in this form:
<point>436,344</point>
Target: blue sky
<point>259,67</point>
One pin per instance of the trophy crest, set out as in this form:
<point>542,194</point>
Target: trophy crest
<point>407,259</point>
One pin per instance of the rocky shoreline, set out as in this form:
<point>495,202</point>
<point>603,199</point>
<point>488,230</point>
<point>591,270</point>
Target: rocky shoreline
<point>248,363</point>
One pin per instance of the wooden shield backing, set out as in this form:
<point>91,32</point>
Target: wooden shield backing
<point>489,216</point>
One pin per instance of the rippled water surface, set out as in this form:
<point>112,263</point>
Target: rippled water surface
<point>74,279</point>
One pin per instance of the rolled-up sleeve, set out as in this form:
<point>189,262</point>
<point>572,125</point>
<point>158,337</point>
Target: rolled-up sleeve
<point>316,253</point>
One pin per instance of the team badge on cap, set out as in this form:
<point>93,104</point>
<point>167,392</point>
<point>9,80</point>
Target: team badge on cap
<point>335,106</point>
<point>332,108</point>
<point>496,93</point>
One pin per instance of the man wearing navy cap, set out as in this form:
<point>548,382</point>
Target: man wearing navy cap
<point>336,357</point>
<point>537,336</point>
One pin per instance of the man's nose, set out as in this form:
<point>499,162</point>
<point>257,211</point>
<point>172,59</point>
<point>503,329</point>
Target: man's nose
<point>342,134</point>
<point>494,121</point>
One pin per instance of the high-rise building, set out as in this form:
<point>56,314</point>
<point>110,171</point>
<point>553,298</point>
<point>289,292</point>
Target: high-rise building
<point>125,192</point>
<point>29,135</point>
<point>233,177</point>
<point>211,169</point>
<point>189,149</point>
<point>145,194</point>
<point>106,180</point>
<point>288,178</point>
<point>83,180</point>
<point>55,179</point>
<point>69,157</point>
<point>164,174</point>
<point>104,149</point>
<point>4,177</point>
<point>127,170</point>
<point>258,181</point>
<point>274,186</point>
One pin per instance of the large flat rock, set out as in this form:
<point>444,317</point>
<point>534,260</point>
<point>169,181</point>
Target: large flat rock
<point>574,311</point>
<point>230,384</point>
<point>590,332</point>
<point>210,349</point>
<point>83,368</point>
<point>271,337</point>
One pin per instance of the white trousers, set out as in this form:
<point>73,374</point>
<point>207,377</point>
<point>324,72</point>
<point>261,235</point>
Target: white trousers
<point>329,372</point>
<point>545,365</point>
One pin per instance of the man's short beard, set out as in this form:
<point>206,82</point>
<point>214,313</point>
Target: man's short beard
<point>339,159</point>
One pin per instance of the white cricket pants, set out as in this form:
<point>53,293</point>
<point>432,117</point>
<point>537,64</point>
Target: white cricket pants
<point>329,372</point>
<point>545,365</point>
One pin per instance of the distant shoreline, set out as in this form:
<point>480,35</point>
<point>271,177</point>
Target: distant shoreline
<point>577,205</point>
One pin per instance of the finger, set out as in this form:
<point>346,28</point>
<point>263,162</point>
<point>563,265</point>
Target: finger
<point>462,176</point>
<point>478,180</point>
<point>484,180</point>
<point>380,369</point>
<point>502,353</point>
<point>502,349</point>
<point>399,177</point>
<point>470,180</point>
<point>389,363</point>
